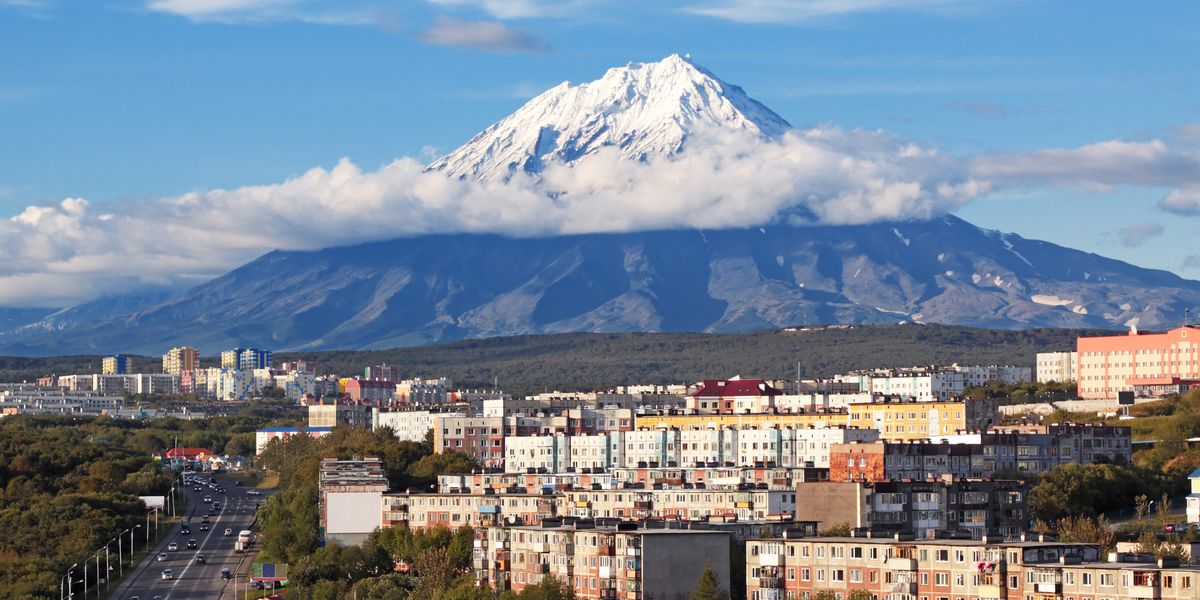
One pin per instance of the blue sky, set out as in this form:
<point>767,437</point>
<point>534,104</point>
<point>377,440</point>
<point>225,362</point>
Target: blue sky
<point>121,101</point>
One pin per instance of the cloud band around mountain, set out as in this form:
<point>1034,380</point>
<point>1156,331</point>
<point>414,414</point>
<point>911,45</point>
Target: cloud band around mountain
<point>75,250</point>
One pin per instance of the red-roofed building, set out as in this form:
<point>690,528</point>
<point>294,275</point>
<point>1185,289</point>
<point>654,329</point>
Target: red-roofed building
<point>732,396</point>
<point>189,454</point>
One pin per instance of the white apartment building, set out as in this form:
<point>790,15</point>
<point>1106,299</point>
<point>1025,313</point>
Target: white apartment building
<point>812,444</point>
<point>652,447</point>
<point>707,446</point>
<point>548,453</point>
<point>598,451</point>
<point>410,425</point>
<point>422,391</point>
<point>1057,366</point>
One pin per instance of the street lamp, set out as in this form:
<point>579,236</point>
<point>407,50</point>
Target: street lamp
<point>107,564</point>
<point>68,578</point>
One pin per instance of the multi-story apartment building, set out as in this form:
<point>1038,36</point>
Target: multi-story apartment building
<point>681,503</point>
<point>332,415</point>
<point>410,425</point>
<point>262,437</point>
<point>1146,364</point>
<point>801,567</point>
<point>350,497</point>
<point>117,364</point>
<point>178,360</point>
<point>701,447</point>
<point>801,420</point>
<point>732,396</point>
<point>596,452</point>
<point>618,562</point>
<point>422,392</point>
<point>544,453</point>
<point>246,359</point>
<point>918,420</point>
<point>735,478</point>
<point>454,510</point>
<point>372,392</point>
<point>481,438</point>
<point>383,372</point>
<point>652,448</point>
<point>969,507</point>
<point>1057,366</point>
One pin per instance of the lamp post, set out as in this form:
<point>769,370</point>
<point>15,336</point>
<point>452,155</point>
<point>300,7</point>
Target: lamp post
<point>107,564</point>
<point>67,577</point>
<point>131,531</point>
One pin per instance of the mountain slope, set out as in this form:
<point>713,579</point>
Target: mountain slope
<point>448,287</point>
<point>641,109</point>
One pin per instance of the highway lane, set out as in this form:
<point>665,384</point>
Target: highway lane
<point>191,579</point>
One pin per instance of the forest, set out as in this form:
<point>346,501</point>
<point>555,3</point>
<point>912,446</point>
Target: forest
<point>76,481</point>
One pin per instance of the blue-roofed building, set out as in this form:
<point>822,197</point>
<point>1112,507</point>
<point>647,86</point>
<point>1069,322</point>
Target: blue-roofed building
<point>264,436</point>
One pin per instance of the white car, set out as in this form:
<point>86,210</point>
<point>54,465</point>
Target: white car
<point>172,547</point>
<point>253,493</point>
<point>162,556</point>
<point>228,532</point>
<point>167,574</point>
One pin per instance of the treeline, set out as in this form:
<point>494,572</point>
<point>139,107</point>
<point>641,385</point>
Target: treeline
<point>70,484</point>
<point>574,361</point>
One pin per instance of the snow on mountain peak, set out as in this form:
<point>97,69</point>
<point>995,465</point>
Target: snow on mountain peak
<point>644,109</point>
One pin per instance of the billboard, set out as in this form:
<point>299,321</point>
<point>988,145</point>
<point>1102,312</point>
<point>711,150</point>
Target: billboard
<point>158,502</point>
<point>270,572</point>
<point>353,512</point>
<point>1124,398</point>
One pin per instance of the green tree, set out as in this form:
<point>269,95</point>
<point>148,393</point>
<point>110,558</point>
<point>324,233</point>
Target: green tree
<point>1087,530</point>
<point>708,587</point>
<point>836,530</point>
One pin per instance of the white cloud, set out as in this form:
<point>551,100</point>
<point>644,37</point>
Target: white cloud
<point>793,11</point>
<point>54,255</point>
<point>484,35</point>
<point>520,9</point>
<point>1182,201</point>
<point>262,11</point>
<point>1137,234</point>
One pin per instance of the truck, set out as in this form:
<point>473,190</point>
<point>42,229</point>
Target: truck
<point>244,541</point>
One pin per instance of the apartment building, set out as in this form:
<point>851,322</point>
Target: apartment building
<point>417,510</point>
<point>117,364</point>
<point>410,425</point>
<point>420,392</point>
<point>1038,448</point>
<point>1057,366</point>
<point>774,478</point>
<point>800,420</point>
<point>545,453</point>
<point>1146,364</point>
<point>246,359</point>
<point>596,452</point>
<point>178,360</point>
<point>681,503</point>
<point>332,415</point>
<point>481,438</point>
<point>350,497</point>
<point>968,507</point>
<point>619,561</point>
<point>732,396</point>
<point>959,569</point>
<point>262,437</point>
<point>373,392</point>
<point>911,420</point>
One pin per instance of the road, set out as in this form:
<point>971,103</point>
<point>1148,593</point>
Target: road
<point>193,580</point>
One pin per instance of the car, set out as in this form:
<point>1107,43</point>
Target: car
<point>172,547</point>
<point>253,493</point>
<point>228,532</point>
<point>197,488</point>
<point>220,490</point>
<point>184,529</point>
<point>162,556</point>
<point>168,574</point>
<point>204,527</point>
<point>191,544</point>
<point>201,559</point>
<point>225,574</point>
<point>204,519</point>
<point>208,499</point>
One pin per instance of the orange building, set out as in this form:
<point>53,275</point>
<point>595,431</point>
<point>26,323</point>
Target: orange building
<point>1146,364</point>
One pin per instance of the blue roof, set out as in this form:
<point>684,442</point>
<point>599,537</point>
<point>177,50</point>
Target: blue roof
<point>294,429</point>
<point>1194,474</point>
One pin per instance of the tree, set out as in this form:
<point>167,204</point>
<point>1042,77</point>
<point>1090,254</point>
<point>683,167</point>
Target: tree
<point>549,588</point>
<point>708,587</point>
<point>1086,530</point>
<point>1141,506</point>
<point>836,530</point>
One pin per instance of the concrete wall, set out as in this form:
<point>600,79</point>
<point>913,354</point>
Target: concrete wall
<point>831,503</point>
<point>672,562</point>
<point>1045,408</point>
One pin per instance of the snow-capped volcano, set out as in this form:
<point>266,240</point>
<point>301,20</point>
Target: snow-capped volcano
<point>644,109</point>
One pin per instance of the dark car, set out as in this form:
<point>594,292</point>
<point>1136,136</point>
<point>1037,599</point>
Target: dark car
<point>225,574</point>
<point>204,527</point>
<point>191,544</point>
<point>200,559</point>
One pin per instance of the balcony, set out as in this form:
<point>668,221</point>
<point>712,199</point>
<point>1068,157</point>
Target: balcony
<point>1049,588</point>
<point>1149,592</point>
<point>539,547</point>
<point>606,572</point>
<point>770,560</point>
<point>990,591</point>
<point>606,550</point>
<point>770,582</point>
<point>904,587</point>
<point>900,564</point>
